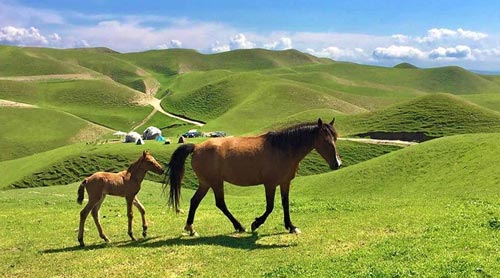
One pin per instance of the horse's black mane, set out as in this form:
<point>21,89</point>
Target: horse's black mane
<point>297,136</point>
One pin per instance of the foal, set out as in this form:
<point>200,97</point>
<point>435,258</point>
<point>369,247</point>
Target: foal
<point>126,184</point>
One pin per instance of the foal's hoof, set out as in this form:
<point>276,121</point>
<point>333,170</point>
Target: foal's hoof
<point>145,232</point>
<point>241,230</point>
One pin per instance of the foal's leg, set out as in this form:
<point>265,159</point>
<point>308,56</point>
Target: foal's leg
<point>95,215</point>
<point>195,202</point>
<point>221,204</point>
<point>141,209</point>
<point>130,216</point>
<point>83,216</point>
<point>285,188</point>
<point>270,191</point>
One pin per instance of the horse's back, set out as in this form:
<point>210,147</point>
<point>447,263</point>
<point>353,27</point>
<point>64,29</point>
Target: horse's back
<point>238,160</point>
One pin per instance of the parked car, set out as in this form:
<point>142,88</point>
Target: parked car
<point>191,134</point>
<point>218,134</point>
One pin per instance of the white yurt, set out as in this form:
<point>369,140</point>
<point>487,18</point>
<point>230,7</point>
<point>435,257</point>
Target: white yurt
<point>132,137</point>
<point>151,133</point>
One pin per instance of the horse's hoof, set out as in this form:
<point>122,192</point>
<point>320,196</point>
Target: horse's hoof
<point>241,230</point>
<point>295,231</point>
<point>82,244</point>
<point>255,225</point>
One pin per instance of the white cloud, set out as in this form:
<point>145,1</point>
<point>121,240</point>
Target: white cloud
<point>170,44</point>
<point>397,52</point>
<point>458,52</point>
<point>281,44</point>
<point>400,38</point>
<point>18,15</point>
<point>239,41</point>
<point>337,53</point>
<point>22,36</point>
<point>437,34</point>
<point>219,47</point>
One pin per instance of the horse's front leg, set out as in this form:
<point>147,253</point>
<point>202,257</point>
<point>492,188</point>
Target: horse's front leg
<point>130,216</point>
<point>270,192</point>
<point>285,188</point>
<point>142,210</point>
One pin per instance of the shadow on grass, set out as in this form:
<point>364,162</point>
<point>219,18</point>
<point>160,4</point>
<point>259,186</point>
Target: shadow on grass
<point>238,241</point>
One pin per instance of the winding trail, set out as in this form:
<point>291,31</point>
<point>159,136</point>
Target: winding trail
<point>398,143</point>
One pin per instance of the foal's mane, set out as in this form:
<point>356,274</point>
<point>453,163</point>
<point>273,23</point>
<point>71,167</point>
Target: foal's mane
<point>134,164</point>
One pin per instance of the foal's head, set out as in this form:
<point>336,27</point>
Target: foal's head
<point>326,144</point>
<point>149,163</point>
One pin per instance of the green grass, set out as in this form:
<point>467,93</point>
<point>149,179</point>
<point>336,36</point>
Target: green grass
<point>429,210</point>
<point>436,115</point>
<point>26,131</point>
<point>98,101</point>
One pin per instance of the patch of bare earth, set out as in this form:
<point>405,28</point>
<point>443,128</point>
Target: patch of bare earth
<point>89,133</point>
<point>8,103</point>
<point>72,76</point>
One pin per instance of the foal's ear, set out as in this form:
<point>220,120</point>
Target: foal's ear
<point>144,153</point>
<point>332,122</point>
<point>320,122</point>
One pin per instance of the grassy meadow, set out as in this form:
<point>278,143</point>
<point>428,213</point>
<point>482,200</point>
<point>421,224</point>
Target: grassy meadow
<point>401,214</point>
<point>426,210</point>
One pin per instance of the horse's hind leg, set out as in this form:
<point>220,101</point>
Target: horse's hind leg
<point>195,202</point>
<point>141,209</point>
<point>285,188</point>
<point>95,215</point>
<point>270,191</point>
<point>83,217</point>
<point>221,204</point>
<point>130,216</point>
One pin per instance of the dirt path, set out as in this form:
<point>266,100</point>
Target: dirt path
<point>380,142</point>
<point>152,86</point>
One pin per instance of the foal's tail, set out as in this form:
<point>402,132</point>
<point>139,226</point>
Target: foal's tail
<point>81,191</point>
<point>175,173</point>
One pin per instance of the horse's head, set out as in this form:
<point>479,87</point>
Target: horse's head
<point>326,144</point>
<point>150,163</point>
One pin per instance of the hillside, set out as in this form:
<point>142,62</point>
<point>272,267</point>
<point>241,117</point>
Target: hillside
<point>435,115</point>
<point>178,61</point>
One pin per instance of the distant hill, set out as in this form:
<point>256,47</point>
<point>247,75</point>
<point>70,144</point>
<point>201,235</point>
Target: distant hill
<point>405,66</point>
<point>435,115</point>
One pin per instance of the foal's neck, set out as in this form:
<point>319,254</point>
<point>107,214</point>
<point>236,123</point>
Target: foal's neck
<point>136,173</point>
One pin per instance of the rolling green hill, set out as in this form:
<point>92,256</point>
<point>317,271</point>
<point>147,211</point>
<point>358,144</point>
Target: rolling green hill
<point>436,115</point>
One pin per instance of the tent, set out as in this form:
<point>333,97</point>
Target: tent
<point>151,133</point>
<point>132,137</point>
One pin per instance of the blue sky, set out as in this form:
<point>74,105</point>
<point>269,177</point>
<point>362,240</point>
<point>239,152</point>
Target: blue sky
<point>426,33</point>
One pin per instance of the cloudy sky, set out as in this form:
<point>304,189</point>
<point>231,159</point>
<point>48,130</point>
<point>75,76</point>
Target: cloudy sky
<point>425,33</point>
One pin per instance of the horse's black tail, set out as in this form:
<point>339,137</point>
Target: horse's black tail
<point>175,174</point>
<point>81,191</point>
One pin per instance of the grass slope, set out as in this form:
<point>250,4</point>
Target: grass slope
<point>429,210</point>
<point>26,131</point>
<point>98,101</point>
<point>436,115</point>
<point>175,61</point>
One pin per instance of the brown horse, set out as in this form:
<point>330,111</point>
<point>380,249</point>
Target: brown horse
<point>126,184</point>
<point>271,159</point>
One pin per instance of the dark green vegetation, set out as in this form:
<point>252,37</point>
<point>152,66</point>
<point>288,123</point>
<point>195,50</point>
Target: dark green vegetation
<point>428,210</point>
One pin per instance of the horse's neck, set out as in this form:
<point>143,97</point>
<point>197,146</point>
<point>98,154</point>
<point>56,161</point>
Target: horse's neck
<point>137,174</point>
<point>301,153</point>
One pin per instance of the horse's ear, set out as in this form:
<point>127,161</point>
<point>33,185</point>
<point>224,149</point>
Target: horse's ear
<point>332,122</point>
<point>320,122</point>
<point>144,153</point>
